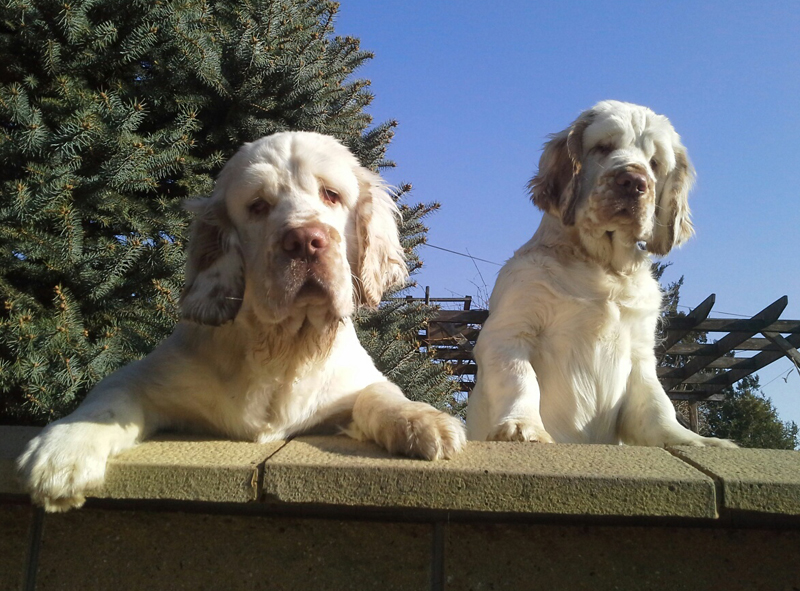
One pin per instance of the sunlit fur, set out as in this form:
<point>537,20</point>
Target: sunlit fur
<point>267,348</point>
<point>567,353</point>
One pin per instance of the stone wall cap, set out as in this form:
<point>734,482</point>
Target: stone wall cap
<point>594,480</point>
<point>497,477</point>
<point>761,480</point>
<point>181,467</point>
<point>170,466</point>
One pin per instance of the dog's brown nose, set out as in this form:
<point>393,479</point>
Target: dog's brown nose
<point>631,184</point>
<point>306,242</point>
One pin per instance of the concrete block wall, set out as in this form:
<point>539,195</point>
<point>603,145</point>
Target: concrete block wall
<point>333,513</point>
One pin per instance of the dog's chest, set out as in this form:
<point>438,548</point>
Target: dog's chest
<point>275,404</point>
<point>613,313</point>
<point>287,400</point>
<point>588,350</point>
<point>592,334</point>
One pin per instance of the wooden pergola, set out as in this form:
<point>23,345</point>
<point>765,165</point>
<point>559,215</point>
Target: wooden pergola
<point>692,371</point>
<point>708,368</point>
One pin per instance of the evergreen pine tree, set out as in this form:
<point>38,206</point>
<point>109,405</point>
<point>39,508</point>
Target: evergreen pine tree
<point>112,112</point>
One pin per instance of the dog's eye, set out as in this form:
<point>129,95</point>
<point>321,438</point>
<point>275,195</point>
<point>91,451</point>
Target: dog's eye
<point>259,208</point>
<point>329,195</point>
<point>604,149</point>
<point>654,164</point>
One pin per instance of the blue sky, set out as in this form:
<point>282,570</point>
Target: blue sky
<point>476,87</point>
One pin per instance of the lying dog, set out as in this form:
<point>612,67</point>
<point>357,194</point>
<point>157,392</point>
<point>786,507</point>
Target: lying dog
<point>295,234</point>
<point>567,353</point>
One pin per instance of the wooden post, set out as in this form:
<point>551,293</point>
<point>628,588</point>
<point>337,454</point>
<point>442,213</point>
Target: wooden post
<point>693,417</point>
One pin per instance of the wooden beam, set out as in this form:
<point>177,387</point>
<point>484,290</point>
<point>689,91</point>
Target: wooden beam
<point>734,363</point>
<point>752,344</point>
<point>727,343</point>
<point>784,345</point>
<point>464,370</point>
<point>717,382</point>
<point>452,354</point>
<point>751,325</point>
<point>448,333</point>
<point>784,326</point>
<point>719,363</point>
<point>700,396</point>
<point>462,316</point>
<point>688,322</point>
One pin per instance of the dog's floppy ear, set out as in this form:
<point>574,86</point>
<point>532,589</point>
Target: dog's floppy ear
<point>560,166</point>
<point>214,267</point>
<point>380,260</point>
<point>673,225</point>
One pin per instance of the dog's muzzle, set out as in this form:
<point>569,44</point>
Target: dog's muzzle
<point>630,184</point>
<point>307,242</point>
<point>308,254</point>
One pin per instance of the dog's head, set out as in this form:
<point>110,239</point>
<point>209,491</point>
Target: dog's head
<point>618,169</point>
<point>295,227</point>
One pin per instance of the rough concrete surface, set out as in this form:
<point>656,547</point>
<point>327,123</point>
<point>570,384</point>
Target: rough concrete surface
<point>763,480</point>
<point>144,550</point>
<point>490,477</point>
<point>205,548</point>
<point>170,466</point>
<point>593,558</point>
<point>183,468</point>
<point>15,523</point>
<point>505,477</point>
<point>12,443</point>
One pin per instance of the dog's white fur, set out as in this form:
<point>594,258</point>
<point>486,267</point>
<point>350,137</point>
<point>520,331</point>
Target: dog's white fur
<point>567,353</point>
<point>267,349</point>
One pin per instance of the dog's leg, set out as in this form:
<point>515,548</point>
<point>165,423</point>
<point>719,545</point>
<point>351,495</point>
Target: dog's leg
<point>648,417</point>
<point>69,456</point>
<point>382,414</point>
<point>504,406</point>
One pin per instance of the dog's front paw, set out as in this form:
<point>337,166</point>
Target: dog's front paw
<point>520,430</point>
<point>715,442</point>
<point>700,441</point>
<point>61,464</point>
<point>419,430</point>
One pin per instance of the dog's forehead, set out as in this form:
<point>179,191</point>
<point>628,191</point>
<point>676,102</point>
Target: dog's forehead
<point>288,162</point>
<point>628,126</point>
<point>622,124</point>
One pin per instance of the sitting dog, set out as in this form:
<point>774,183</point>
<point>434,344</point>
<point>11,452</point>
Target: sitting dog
<point>567,353</point>
<point>294,236</point>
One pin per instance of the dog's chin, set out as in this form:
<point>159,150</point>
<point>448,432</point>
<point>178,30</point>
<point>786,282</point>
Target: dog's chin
<point>634,222</point>
<point>311,301</point>
<point>312,293</point>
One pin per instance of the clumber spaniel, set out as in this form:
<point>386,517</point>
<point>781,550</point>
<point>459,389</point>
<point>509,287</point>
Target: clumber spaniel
<point>294,236</point>
<point>567,353</point>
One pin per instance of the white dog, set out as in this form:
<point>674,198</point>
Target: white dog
<point>295,234</point>
<point>567,353</point>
